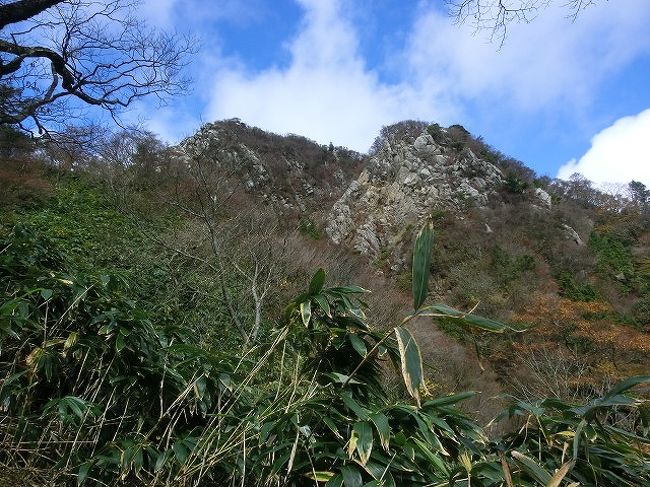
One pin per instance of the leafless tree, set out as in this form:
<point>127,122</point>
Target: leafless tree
<point>228,239</point>
<point>259,264</point>
<point>58,57</point>
<point>495,15</point>
<point>74,146</point>
<point>557,372</point>
<point>116,157</point>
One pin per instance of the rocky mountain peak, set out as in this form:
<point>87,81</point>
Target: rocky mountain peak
<point>404,181</point>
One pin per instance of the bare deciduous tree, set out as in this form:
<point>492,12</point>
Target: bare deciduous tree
<point>59,55</point>
<point>227,246</point>
<point>495,15</point>
<point>552,373</point>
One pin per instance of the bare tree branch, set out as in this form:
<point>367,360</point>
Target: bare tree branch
<point>83,53</point>
<point>494,16</point>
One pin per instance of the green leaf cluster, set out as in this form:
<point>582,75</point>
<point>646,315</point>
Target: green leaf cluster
<point>99,387</point>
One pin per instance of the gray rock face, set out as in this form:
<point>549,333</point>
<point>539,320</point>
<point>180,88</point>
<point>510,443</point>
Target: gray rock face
<point>366,240</point>
<point>342,223</point>
<point>401,185</point>
<point>211,144</point>
<point>571,234</point>
<point>543,198</point>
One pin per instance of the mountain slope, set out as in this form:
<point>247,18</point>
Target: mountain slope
<point>560,257</point>
<point>291,171</point>
<point>402,184</point>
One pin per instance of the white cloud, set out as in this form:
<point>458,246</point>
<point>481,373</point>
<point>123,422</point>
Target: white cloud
<point>618,154</point>
<point>158,12</point>
<point>326,93</point>
<point>548,61</point>
<point>172,126</point>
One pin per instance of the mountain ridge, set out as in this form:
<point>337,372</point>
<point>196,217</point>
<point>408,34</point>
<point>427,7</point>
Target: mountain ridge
<point>506,239</point>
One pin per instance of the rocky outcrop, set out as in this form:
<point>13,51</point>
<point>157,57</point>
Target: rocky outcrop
<point>402,183</point>
<point>543,199</point>
<point>571,234</point>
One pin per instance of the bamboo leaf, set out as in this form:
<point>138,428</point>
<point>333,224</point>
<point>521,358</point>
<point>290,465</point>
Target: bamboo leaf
<point>383,429</point>
<point>351,476</point>
<point>324,304</point>
<point>411,362</point>
<point>532,468</point>
<point>358,344</point>
<point>336,481</point>
<point>627,384</point>
<point>71,340</point>
<point>343,290</point>
<point>75,404</point>
<point>469,318</point>
<point>576,438</point>
<point>161,460</point>
<point>431,457</point>
<point>316,284</point>
<point>332,426</point>
<point>352,443</point>
<point>354,406</point>
<point>421,263</point>
<point>180,451</point>
<point>82,473</point>
<point>120,343</point>
<point>342,378</point>
<point>320,476</point>
<point>449,400</point>
<point>363,431</point>
<point>305,312</point>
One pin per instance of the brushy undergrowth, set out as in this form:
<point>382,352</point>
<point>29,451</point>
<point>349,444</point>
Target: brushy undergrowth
<point>102,384</point>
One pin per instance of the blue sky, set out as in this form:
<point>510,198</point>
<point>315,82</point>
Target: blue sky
<point>560,96</point>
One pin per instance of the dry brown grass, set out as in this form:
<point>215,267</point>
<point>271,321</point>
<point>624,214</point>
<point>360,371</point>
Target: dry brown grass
<point>22,180</point>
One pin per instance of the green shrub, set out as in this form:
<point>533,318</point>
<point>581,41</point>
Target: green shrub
<point>510,268</point>
<point>81,358</point>
<point>437,132</point>
<point>308,227</point>
<point>641,311</point>
<point>613,254</point>
<point>458,146</point>
<point>96,389</point>
<point>570,288</point>
<point>515,185</point>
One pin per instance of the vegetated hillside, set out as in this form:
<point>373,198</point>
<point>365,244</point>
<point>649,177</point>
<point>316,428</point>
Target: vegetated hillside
<point>162,321</point>
<point>292,171</point>
<point>561,257</point>
<point>558,256</point>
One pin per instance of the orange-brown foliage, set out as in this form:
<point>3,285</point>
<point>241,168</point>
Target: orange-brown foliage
<point>22,181</point>
<point>588,329</point>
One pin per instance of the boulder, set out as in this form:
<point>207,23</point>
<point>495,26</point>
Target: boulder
<point>543,198</point>
<point>571,234</point>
